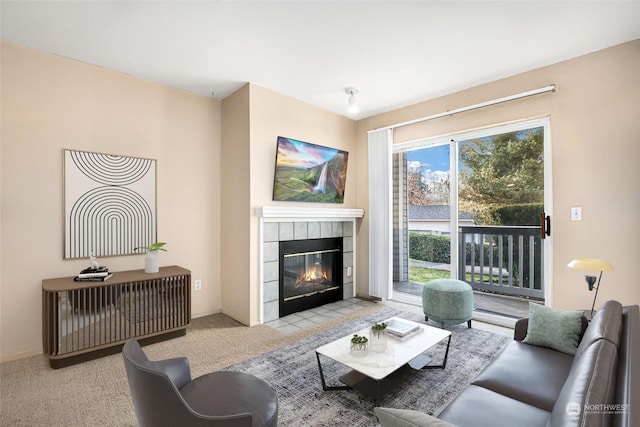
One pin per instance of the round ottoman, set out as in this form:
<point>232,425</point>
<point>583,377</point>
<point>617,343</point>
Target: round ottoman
<point>448,301</point>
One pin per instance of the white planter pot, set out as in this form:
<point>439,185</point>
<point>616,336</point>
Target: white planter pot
<point>378,340</point>
<point>151,262</point>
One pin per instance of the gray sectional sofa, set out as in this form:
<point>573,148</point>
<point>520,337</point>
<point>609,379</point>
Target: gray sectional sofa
<point>533,385</point>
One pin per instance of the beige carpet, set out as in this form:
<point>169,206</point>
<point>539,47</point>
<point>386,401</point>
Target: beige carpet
<point>97,392</point>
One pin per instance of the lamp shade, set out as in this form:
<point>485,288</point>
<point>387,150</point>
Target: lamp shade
<point>590,264</point>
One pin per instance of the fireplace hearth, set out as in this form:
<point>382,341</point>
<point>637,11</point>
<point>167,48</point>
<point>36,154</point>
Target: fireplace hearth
<point>310,274</point>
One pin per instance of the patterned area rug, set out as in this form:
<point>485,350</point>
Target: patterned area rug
<point>292,371</point>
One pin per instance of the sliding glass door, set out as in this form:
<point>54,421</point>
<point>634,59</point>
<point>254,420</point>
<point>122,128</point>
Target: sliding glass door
<point>468,206</point>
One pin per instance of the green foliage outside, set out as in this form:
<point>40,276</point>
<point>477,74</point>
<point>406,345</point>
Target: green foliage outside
<point>518,214</point>
<point>423,275</point>
<point>435,248</point>
<point>499,171</point>
<point>418,189</point>
<point>504,169</point>
<point>430,247</point>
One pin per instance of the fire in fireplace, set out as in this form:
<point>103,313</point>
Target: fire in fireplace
<point>310,274</point>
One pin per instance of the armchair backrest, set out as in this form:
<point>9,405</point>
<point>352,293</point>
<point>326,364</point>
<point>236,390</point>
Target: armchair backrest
<point>155,391</point>
<point>156,398</point>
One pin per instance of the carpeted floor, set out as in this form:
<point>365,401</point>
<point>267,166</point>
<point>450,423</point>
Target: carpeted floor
<point>292,371</point>
<point>97,392</point>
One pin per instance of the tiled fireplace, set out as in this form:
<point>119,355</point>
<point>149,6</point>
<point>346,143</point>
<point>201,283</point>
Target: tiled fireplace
<point>291,227</point>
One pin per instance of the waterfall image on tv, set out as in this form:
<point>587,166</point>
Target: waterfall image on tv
<point>308,172</point>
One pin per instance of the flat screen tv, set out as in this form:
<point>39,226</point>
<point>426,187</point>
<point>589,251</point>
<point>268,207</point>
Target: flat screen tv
<point>307,172</point>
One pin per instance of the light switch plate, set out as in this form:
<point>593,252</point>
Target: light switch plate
<point>576,213</point>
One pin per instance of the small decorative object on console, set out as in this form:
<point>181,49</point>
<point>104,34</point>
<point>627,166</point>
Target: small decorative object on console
<point>93,273</point>
<point>151,259</point>
<point>94,261</point>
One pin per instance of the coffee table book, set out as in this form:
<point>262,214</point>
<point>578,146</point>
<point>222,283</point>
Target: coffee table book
<point>401,327</point>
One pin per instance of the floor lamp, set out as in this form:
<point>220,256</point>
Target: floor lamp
<point>594,265</point>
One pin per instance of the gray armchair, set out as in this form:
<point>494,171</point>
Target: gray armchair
<point>165,395</point>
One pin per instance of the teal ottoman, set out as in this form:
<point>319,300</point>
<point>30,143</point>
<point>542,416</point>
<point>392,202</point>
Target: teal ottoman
<point>447,301</point>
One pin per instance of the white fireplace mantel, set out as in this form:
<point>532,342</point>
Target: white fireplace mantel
<point>284,212</point>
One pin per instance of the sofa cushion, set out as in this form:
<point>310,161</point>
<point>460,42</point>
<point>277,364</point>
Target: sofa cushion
<point>391,417</point>
<point>478,406</point>
<point>589,388</point>
<point>606,324</point>
<point>531,374</point>
<point>556,329</point>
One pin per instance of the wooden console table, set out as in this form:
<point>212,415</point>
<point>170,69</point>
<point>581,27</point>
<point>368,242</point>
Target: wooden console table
<point>85,320</point>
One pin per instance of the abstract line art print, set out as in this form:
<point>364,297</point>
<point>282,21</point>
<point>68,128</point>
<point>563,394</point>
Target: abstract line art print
<point>109,204</point>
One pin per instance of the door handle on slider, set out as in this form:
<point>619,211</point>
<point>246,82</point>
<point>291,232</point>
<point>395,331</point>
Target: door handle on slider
<point>545,225</point>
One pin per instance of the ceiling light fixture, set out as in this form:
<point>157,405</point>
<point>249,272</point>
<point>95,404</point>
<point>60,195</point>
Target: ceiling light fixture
<point>353,101</point>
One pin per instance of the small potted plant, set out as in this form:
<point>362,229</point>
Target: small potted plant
<point>378,328</point>
<point>151,259</point>
<point>359,345</point>
<point>378,337</point>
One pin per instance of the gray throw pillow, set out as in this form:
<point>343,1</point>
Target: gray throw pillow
<point>556,329</point>
<point>390,417</point>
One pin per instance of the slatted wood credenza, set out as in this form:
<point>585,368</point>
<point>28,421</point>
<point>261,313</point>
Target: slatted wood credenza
<point>85,320</point>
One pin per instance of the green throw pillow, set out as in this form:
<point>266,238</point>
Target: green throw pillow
<point>556,329</point>
<point>390,417</point>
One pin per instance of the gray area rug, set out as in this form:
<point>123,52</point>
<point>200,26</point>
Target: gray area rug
<point>292,371</point>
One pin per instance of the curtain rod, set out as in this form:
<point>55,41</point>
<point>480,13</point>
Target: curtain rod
<point>550,88</point>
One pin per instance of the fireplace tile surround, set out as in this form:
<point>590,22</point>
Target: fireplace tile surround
<point>283,224</point>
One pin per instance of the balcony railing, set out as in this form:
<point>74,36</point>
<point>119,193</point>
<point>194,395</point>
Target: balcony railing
<point>504,260</point>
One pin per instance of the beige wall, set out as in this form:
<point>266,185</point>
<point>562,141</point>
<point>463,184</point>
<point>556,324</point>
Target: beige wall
<point>270,115</point>
<point>235,205</point>
<point>595,152</point>
<point>51,103</point>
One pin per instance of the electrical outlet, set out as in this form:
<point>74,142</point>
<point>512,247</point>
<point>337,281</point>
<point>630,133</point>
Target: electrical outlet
<point>576,213</point>
<point>198,285</point>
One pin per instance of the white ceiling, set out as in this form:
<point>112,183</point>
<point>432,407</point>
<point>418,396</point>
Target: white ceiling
<point>396,53</point>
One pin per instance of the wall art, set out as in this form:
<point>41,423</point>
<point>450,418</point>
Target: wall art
<point>307,172</point>
<point>109,204</point>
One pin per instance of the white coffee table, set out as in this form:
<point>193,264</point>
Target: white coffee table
<point>378,372</point>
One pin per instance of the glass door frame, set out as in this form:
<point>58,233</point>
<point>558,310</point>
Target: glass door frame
<point>453,140</point>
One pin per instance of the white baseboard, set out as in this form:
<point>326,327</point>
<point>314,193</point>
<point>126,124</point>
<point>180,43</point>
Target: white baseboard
<point>22,355</point>
<point>205,313</point>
